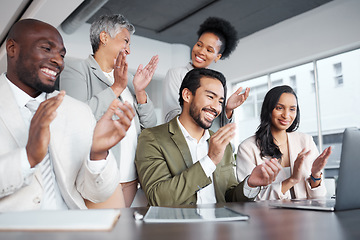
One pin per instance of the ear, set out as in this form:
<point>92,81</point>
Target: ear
<point>186,95</point>
<point>103,37</point>
<point>12,48</point>
<point>217,57</point>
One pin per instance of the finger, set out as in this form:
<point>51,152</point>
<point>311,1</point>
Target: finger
<point>230,127</point>
<point>127,110</point>
<point>139,69</point>
<point>268,174</point>
<point>239,90</point>
<point>47,109</point>
<point>120,129</point>
<point>122,119</point>
<point>274,165</point>
<point>152,65</point>
<point>111,109</point>
<point>246,93</point>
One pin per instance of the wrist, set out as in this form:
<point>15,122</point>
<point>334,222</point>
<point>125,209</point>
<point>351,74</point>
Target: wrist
<point>228,113</point>
<point>293,180</point>
<point>316,177</point>
<point>141,97</point>
<point>117,89</point>
<point>98,155</point>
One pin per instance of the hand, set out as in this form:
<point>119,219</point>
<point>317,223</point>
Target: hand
<point>264,174</point>
<point>235,100</point>
<point>109,132</point>
<point>39,132</point>
<point>296,174</point>
<point>219,141</point>
<point>143,77</point>
<point>320,162</point>
<point>120,74</point>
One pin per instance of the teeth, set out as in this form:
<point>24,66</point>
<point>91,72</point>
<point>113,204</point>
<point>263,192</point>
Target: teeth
<point>200,59</point>
<point>210,115</point>
<point>49,72</point>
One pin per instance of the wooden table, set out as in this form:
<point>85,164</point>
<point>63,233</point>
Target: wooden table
<point>265,223</point>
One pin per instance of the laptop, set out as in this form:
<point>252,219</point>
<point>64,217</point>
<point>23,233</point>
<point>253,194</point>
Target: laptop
<point>347,186</point>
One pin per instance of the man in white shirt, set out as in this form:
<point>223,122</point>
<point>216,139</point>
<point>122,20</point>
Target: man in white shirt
<point>39,125</point>
<point>182,162</point>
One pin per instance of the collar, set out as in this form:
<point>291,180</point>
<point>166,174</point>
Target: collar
<point>21,97</point>
<point>186,134</point>
<point>189,66</point>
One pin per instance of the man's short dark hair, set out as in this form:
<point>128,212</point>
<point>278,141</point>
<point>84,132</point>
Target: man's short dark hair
<point>191,81</point>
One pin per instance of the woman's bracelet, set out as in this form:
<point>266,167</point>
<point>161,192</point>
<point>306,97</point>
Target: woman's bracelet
<point>315,179</point>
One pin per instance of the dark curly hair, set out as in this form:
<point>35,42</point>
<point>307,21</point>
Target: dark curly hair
<point>225,32</point>
<point>264,137</point>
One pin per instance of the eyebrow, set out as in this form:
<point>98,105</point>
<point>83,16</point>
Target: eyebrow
<point>211,92</point>
<point>52,44</point>
<point>209,45</point>
<point>284,105</point>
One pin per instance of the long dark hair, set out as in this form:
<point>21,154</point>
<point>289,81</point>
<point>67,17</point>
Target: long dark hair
<point>264,137</point>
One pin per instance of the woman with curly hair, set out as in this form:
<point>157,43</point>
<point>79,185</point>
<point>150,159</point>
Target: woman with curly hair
<point>276,137</point>
<point>217,39</point>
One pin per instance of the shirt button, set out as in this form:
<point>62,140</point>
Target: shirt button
<point>37,200</point>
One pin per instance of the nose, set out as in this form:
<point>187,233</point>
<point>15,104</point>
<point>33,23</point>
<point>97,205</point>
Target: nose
<point>127,50</point>
<point>58,60</point>
<point>216,106</point>
<point>202,50</point>
<point>285,113</point>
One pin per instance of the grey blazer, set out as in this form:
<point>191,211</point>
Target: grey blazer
<point>85,81</point>
<point>70,144</point>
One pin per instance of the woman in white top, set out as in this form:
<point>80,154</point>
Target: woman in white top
<point>217,40</point>
<point>301,176</point>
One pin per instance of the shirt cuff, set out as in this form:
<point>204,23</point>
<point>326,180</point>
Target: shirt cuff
<point>207,165</point>
<point>97,166</point>
<point>25,165</point>
<point>250,192</point>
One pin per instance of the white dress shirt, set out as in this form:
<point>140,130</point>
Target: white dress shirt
<point>129,143</point>
<point>199,151</point>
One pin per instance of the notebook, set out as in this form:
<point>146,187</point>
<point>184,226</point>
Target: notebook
<point>173,215</point>
<point>347,186</point>
<point>54,220</point>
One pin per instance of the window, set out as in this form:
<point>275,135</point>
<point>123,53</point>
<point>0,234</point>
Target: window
<point>338,107</point>
<point>338,74</point>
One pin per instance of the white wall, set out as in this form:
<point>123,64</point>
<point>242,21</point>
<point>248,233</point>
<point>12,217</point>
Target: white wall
<point>325,30</point>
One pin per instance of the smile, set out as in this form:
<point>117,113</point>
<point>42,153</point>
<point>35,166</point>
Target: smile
<point>48,72</point>
<point>283,122</point>
<point>210,115</point>
<point>199,59</point>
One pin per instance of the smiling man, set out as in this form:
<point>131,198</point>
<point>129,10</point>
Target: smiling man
<point>182,162</point>
<point>53,153</point>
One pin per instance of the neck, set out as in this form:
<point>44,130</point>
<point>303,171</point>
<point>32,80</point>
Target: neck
<point>102,59</point>
<point>191,126</point>
<point>280,137</point>
<point>24,87</point>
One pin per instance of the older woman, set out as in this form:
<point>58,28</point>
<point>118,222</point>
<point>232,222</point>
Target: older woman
<point>276,137</point>
<point>101,78</point>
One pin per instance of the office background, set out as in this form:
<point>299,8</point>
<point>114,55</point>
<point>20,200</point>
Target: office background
<point>315,52</point>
